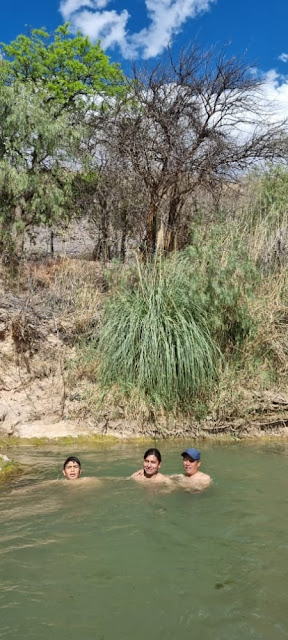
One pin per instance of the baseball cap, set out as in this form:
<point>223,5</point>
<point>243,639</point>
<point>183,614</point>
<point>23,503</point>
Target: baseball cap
<point>192,453</point>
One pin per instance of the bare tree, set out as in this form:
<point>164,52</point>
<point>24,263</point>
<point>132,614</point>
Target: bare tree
<point>197,122</point>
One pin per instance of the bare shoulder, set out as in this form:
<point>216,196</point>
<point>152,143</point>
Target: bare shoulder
<point>197,482</point>
<point>203,477</point>
<point>164,479</point>
<point>203,480</point>
<point>138,475</point>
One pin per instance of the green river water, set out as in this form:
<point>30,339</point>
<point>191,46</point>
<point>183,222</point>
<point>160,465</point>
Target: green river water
<point>122,561</point>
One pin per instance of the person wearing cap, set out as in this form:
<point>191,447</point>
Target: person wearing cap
<point>192,479</point>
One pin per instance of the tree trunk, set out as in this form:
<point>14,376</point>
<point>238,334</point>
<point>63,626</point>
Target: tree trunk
<point>52,243</point>
<point>175,207</point>
<point>19,233</point>
<point>123,234</point>
<point>151,229</point>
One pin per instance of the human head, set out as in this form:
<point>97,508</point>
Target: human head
<point>191,461</point>
<point>72,468</point>
<point>152,462</point>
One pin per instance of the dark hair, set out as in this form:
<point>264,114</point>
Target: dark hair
<point>72,459</point>
<point>153,452</point>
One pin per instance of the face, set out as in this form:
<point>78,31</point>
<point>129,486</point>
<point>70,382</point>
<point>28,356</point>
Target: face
<point>190,465</point>
<point>72,470</point>
<point>151,465</point>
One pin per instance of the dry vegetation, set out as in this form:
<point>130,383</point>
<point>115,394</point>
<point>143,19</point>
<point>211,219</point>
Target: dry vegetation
<point>49,326</point>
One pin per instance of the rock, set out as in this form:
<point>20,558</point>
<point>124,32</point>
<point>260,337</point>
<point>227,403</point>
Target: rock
<point>41,429</point>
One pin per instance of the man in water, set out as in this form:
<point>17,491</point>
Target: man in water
<point>149,474</point>
<point>72,468</point>
<point>192,479</point>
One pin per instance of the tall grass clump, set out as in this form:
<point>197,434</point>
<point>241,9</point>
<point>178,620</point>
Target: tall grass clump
<point>155,338</point>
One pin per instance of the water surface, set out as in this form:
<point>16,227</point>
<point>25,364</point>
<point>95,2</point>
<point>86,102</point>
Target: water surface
<point>122,561</point>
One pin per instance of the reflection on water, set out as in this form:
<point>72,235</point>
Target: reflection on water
<point>99,561</point>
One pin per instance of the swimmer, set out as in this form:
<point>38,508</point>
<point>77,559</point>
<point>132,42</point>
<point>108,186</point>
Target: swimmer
<point>150,472</point>
<point>72,468</point>
<point>72,471</point>
<point>192,479</point>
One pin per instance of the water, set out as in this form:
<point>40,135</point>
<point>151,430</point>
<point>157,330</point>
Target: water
<point>120,560</point>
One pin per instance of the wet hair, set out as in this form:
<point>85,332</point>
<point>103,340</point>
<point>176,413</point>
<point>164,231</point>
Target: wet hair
<point>153,452</point>
<point>72,459</point>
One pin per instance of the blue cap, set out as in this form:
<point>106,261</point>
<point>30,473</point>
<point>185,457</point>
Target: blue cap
<point>192,453</point>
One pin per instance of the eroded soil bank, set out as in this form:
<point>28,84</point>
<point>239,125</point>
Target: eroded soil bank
<point>41,323</point>
<point>39,399</point>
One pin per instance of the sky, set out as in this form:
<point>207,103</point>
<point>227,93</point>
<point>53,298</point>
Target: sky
<point>140,30</point>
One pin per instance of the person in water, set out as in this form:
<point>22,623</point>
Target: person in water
<point>150,471</point>
<point>192,477</point>
<point>72,468</point>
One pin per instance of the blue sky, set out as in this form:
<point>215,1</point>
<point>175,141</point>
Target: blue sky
<point>140,29</point>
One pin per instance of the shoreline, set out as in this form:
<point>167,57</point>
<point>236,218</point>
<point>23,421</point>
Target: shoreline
<point>168,427</point>
<point>218,433</point>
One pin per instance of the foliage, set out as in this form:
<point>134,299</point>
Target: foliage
<point>164,327</point>
<point>155,338</point>
<point>9,470</point>
<point>37,152</point>
<point>113,200</point>
<point>67,66</point>
<point>264,219</point>
<point>223,278</point>
<point>47,87</point>
<point>272,192</point>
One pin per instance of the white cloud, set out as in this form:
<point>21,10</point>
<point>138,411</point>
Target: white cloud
<point>100,4</point>
<point>283,57</point>
<point>68,7</point>
<point>272,102</point>
<point>108,26</point>
<point>166,19</point>
<point>275,90</point>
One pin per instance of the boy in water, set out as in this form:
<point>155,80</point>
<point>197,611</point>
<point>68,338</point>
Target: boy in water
<point>72,468</point>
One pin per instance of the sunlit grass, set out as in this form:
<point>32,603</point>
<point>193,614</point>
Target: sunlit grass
<point>155,337</point>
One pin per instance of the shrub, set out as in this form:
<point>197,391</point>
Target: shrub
<point>222,277</point>
<point>155,337</point>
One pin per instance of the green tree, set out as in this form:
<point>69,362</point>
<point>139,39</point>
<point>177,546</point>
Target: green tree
<point>69,67</point>
<point>37,155</point>
<point>48,87</point>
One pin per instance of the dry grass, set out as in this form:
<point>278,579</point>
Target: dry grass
<point>68,291</point>
<point>69,294</point>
